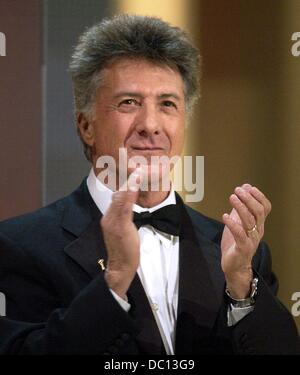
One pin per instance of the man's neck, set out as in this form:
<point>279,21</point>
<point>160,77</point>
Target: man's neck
<point>148,199</point>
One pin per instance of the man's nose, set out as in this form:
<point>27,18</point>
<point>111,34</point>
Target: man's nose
<point>148,121</point>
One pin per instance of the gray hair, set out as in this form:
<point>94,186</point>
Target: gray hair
<point>131,36</point>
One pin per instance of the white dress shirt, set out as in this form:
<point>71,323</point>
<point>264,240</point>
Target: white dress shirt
<point>158,269</point>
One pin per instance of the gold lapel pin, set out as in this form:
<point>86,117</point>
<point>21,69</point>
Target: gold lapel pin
<point>101,264</point>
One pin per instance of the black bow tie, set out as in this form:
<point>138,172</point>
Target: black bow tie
<point>166,219</point>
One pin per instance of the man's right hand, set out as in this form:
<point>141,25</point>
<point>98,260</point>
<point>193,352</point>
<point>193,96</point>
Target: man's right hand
<point>121,238</point>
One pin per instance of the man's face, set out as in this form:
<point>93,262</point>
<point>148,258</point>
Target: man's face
<point>140,106</point>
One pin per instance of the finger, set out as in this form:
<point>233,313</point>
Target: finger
<point>257,194</point>
<point>123,200</point>
<point>253,205</point>
<point>133,182</point>
<point>236,229</point>
<point>247,219</point>
<point>247,186</point>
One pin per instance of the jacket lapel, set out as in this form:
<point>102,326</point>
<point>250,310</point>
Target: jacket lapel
<point>201,287</point>
<point>88,249</point>
<point>81,218</point>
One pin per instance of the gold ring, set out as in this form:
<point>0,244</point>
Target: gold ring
<point>252,230</point>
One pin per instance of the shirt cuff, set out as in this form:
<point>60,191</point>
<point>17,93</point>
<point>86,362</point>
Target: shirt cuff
<point>235,314</point>
<point>124,304</point>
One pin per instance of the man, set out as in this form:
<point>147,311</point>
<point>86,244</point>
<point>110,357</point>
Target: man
<point>81,277</point>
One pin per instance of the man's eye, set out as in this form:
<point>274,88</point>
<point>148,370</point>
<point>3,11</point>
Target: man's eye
<point>168,103</point>
<point>129,102</point>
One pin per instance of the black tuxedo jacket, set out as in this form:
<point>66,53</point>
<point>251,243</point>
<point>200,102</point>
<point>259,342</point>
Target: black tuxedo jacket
<point>58,301</point>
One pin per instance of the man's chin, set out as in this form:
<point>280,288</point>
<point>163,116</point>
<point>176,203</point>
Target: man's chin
<point>152,178</point>
<point>146,153</point>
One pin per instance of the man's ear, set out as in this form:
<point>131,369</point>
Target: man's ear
<point>86,128</point>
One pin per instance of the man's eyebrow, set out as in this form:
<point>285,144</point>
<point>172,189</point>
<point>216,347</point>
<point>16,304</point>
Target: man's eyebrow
<point>127,93</point>
<point>139,95</point>
<point>170,95</point>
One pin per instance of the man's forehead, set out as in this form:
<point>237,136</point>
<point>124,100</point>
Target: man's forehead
<point>129,75</point>
<point>135,62</point>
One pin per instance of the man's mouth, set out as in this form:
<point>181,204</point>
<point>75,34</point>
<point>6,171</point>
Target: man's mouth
<point>146,148</point>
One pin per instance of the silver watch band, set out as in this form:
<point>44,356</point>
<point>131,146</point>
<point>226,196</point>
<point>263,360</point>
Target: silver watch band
<point>245,302</point>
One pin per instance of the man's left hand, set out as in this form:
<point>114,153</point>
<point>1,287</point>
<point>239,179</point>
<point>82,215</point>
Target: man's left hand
<point>244,229</point>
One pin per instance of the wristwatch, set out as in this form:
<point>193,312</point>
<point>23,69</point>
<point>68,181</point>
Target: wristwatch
<point>245,302</point>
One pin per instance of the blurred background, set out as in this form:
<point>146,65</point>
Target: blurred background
<point>247,123</point>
